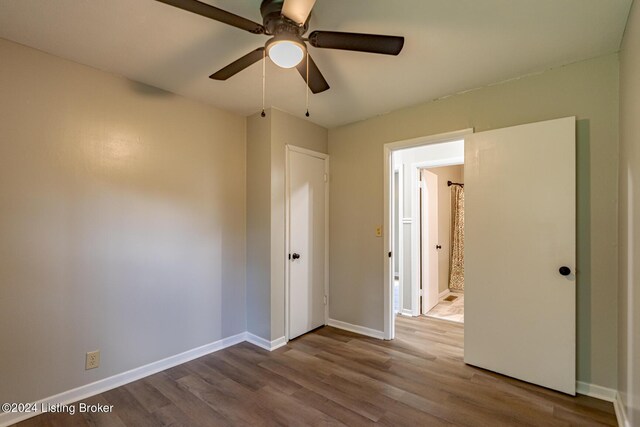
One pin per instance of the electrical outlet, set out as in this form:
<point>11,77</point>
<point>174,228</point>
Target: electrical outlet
<point>93,360</point>
<point>379,231</point>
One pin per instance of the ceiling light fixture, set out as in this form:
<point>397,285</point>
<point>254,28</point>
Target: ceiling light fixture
<point>285,51</point>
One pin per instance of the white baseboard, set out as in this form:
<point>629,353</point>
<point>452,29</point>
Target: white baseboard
<point>357,329</point>
<point>82,392</point>
<point>444,293</point>
<point>608,394</point>
<point>621,414</point>
<point>407,312</point>
<point>266,344</point>
<point>599,392</point>
<point>280,342</point>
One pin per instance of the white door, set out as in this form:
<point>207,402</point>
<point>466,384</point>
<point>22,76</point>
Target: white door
<point>307,219</point>
<point>519,245</point>
<point>430,273</point>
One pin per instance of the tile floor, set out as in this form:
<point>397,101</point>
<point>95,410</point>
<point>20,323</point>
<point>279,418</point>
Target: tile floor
<point>449,310</point>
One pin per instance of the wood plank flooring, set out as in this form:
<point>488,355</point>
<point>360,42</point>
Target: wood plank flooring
<point>333,377</point>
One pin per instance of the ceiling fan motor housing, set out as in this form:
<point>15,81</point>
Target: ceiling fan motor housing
<point>275,23</point>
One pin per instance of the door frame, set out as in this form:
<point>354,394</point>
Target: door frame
<point>388,149</point>
<point>287,227</point>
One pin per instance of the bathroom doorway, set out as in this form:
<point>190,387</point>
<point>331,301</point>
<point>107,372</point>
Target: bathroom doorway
<point>441,204</point>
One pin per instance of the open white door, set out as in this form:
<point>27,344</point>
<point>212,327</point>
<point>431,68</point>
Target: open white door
<point>430,273</point>
<point>519,242</point>
<point>307,201</point>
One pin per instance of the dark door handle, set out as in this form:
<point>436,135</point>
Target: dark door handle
<point>295,256</point>
<point>565,271</point>
<point>438,247</point>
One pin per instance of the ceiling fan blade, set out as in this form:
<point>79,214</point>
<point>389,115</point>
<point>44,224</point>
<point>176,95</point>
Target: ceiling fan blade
<point>374,43</point>
<point>298,10</point>
<point>317,82</point>
<point>216,14</point>
<point>239,65</point>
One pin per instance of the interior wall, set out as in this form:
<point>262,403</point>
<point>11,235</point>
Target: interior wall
<point>454,174</point>
<point>122,224</point>
<point>406,281</point>
<point>259,226</point>
<point>396,225</point>
<point>588,90</point>
<point>629,290</point>
<point>267,139</point>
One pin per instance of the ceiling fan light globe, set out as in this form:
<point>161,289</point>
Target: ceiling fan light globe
<point>286,53</point>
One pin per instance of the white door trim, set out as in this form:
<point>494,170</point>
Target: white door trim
<point>288,149</point>
<point>388,148</point>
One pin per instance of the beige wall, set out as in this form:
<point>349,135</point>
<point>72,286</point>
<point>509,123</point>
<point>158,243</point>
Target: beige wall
<point>454,174</point>
<point>629,289</point>
<point>122,224</point>
<point>588,90</point>
<point>267,139</point>
<point>259,226</point>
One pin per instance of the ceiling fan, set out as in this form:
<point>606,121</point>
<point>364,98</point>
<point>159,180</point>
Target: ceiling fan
<point>287,21</point>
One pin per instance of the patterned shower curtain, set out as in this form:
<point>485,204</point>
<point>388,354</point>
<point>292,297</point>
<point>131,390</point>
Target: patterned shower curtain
<point>456,264</point>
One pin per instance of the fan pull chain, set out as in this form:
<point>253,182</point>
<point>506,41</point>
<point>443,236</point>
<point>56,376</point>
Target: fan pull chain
<point>264,67</point>
<point>307,114</point>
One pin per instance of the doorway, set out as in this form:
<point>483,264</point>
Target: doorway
<point>441,229</point>
<point>422,224</point>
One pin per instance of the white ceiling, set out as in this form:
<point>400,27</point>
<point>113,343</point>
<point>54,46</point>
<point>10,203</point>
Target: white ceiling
<point>450,46</point>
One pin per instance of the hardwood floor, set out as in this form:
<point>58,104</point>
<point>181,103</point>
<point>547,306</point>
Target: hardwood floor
<point>333,377</point>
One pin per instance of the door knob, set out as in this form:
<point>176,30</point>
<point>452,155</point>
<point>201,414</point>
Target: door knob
<point>565,271</point>
<point>438,247</point>
<point>295,256</point>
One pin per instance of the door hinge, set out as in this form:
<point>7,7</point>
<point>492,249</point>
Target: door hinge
<point>326,177</point>
<point>325,300</point>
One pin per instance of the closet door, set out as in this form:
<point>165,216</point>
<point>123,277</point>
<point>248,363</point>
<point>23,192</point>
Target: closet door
<point>307,200</point>
<point>520,283</point>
